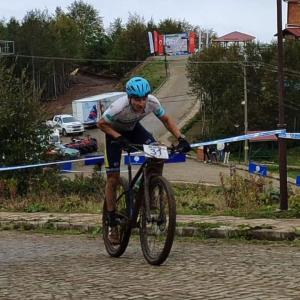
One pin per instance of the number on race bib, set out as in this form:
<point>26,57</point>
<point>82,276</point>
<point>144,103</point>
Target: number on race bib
<point>156,151</point>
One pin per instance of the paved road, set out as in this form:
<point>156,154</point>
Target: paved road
<point>175,89</point>
<point>40,267</point>
<point>191,171</point>
<point>174,95</point>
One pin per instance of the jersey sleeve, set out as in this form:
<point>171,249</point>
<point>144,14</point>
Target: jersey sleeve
<point>157,108</point>
<point>109,114</point>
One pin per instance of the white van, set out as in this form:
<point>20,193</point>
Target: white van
<point>88,110</point>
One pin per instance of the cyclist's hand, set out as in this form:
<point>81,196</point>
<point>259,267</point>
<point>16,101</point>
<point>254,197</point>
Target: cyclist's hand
<point>124,143</point>
<point>183,145</point>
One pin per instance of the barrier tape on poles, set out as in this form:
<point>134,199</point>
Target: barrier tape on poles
<point>240,138</point>
<point>280,132</point>
<point>294,136</point>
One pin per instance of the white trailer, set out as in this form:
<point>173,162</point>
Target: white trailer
<point>88,110</point>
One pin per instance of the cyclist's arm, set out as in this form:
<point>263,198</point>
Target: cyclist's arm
<point>170,125</point>
<point>107,128</point>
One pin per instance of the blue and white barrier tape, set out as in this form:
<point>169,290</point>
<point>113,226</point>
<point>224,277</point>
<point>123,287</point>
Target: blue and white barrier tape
<point>53,163</point>
<point>294,136</point>
<point>280,132</point>
<point>240,138</point>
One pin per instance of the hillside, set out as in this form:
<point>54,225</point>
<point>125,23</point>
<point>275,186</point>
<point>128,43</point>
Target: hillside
<point>83,86</point>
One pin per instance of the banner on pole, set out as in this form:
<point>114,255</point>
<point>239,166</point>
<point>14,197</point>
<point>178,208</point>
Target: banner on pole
<point>192,42</point>
<point>151,44</point>
<point>155,38</point>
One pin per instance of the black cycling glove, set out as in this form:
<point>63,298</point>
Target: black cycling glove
<point>124,143</point>
<point>183,145</point>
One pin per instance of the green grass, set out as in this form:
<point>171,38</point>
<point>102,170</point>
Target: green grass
<point>153,71</point>
<point>236,197</point>
<point>292,172</point>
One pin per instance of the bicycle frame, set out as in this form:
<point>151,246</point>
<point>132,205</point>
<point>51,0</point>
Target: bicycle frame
<point>133,213</point>
<point>133,207</point>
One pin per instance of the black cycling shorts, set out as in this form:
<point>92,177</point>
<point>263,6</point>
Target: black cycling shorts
<point>139,135</point>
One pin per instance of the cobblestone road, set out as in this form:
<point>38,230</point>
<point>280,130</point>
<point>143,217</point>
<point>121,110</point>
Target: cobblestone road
<point>35,266</point>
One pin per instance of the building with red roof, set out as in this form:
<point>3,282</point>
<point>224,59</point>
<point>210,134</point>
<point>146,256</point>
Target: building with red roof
<point>234,37</point>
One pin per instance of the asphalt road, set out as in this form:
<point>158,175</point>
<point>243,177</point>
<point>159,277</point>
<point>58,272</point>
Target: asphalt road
<point>174,95</point>
<point>35,266</point>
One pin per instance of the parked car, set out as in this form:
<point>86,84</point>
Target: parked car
<point>66,124</point>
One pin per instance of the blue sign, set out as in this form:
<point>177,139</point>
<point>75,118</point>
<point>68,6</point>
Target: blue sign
<point>257,169</point>
<point>298,181</point>
<point>134,159</point>
<point>65,167</point>
<point>140,159</point>
<point>176,158</point>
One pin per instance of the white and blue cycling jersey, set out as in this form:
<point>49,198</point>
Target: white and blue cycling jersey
<point>123,118</point>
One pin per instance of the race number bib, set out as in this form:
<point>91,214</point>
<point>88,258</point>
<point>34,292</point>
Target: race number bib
<point>156,151</point>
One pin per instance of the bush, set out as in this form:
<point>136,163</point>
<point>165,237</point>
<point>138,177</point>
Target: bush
<point>244,194</point>
<point>49,191</point>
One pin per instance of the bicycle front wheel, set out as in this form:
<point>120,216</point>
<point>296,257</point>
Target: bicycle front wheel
<point>157,233</point>
<point>123,230</point>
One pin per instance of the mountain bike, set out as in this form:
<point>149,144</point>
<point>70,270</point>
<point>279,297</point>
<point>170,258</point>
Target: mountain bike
<point>146,202</point>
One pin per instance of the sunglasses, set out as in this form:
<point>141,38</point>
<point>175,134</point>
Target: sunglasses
<point>140,99</point>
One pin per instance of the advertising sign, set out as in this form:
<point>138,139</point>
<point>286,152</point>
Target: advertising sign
<point>257,169</point>
<point>176,44</point>
<point>90,112</point>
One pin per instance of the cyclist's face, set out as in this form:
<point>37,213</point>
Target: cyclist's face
<point>138,104</point>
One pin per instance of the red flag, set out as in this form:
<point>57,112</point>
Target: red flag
<point>155,36</point>
<point>160,44</point>
<point>192,42</point>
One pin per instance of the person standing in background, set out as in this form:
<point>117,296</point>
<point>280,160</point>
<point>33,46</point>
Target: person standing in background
<point>226,153</point>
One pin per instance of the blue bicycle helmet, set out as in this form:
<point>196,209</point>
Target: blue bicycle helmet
<point>138,87</point>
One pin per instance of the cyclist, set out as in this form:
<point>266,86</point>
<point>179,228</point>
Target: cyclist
<point>120,123</point>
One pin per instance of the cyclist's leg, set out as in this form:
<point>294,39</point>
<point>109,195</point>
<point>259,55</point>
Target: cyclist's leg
<point>141,136</point>
<point>112,156</point>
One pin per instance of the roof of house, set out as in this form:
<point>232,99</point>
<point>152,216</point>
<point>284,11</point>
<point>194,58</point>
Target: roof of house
<point>292,30</point>
<point>235,36</point>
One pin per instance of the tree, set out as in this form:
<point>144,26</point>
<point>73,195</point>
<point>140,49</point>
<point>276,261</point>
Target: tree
<point>131,44</point>
<point>219,85</point>
<point>90,27</point>
<point>169,26</point>
<point>24,134</point>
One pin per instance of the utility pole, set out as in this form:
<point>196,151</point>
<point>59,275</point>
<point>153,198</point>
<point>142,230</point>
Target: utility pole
<point>246,146</point>
<point>281,125</point>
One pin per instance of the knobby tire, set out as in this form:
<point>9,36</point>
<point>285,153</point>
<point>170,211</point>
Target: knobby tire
<point>159,190</point>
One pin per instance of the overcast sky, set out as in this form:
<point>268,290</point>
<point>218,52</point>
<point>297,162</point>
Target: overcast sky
<point>254,17</point>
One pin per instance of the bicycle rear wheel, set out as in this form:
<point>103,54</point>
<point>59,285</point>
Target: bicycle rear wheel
<point>157,234</point>
<point>124,228</point>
